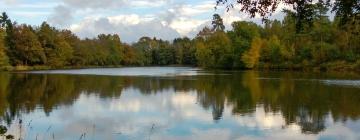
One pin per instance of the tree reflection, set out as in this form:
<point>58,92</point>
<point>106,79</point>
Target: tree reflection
<point>306,103</point>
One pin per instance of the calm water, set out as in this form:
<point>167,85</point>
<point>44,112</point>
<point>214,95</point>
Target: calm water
<point>179,103</point>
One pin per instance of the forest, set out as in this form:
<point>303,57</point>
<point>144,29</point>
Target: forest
<point>314,43</point>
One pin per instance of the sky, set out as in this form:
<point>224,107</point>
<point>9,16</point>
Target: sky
<point>131,19</point>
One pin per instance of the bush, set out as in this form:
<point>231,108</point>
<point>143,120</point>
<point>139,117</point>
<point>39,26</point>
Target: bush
<point>337,66</point>
<point>356,66</point>
<point>350,56</point>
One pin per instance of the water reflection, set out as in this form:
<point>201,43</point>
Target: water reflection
<point>242,105</point>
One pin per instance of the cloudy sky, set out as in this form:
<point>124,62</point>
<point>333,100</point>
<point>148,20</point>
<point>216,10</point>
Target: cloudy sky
<point>131,19</point>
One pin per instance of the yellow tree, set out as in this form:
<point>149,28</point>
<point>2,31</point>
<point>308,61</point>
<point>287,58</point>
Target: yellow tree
<point>203,54</point>
<point>251,56</point>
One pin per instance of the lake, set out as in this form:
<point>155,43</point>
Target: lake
<point>179,103</point>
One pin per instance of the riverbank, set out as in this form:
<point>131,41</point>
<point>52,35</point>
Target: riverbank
<point>338,66</point>
<point>33,68</point>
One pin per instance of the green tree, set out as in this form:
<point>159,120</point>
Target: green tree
<point>273,28</point>
<point>4,61</point>
<point>217,23</point>
<point>58,51</point>
<point>130,57</point>
<point>215,51</point>
<point>61,54</point>
<point>7,24</point>
<point>28,50</point>
<point>74,43</point>
<point>185,51</point>
<point>163,53</point>
<point>221,48</point>
<point>241,37</point>
<point>111,49</point>
<point>272,50</point>
<point>47,36</point>
<point>144,51</point>
<point>203,54</point>
<point>83,53</point>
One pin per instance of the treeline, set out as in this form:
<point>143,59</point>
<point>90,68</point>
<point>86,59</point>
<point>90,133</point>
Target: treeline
<point>319,43</point>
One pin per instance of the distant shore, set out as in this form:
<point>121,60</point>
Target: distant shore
<point>333,67</point>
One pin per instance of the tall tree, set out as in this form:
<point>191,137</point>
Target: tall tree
<point>215,51</point>
<point>130,57</point>
<point>4,61</point>
<point>163,53</point>
<point>28,50</point>
<point>74,43</point>
<point>217,23</point>
<point>347,10</point>
<point>112,48</point>
<point>47,36</point>
<point>61,54</point>
<point>272,50</point>
<point>144,50</point>
<point>58,51</point>
<point>3,19</point>
<point>203,54</point>
<point>185,52</point>
<point>7,24</point>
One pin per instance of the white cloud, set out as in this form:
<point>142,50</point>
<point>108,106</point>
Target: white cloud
<point>106,4</point>
<point>184,17</point>
<point>184,26</point>
<point>62,16</point>
<point>10,1</point>
<point>131,19</point>
<point>130,30</point>
<point>147,3</point>
<point>20,6</point>
<point>192,10</point>
<point>94,4</point>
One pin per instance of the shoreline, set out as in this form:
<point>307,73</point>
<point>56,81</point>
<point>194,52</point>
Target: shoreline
<point>39,68</point>
<point>349,68</point>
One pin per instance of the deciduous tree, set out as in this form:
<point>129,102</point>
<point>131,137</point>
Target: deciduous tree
<point>251,56</point>
<point>27,49</point>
